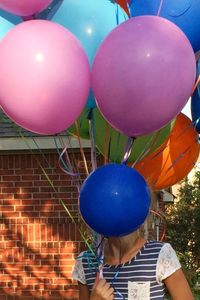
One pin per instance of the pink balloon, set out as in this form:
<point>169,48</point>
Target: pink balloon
<point>143,74</point>
<point>44,78</point>
<point>24,7</point>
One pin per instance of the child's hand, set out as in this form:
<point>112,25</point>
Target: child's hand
<point>102,290</point>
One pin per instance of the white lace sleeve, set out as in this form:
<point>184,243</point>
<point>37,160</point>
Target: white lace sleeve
<point>167,263</point>
<point>78,271</point>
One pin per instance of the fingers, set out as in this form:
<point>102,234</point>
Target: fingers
<point>109,294</point>
<point>102,290</point>
<point>96,281</point>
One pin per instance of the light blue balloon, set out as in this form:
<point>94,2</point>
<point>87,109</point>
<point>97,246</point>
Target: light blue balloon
<point>13,19</point>
<point>90,21</point>
<point>5,26</point>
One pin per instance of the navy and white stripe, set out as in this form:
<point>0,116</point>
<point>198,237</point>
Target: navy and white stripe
<point>142,268</point>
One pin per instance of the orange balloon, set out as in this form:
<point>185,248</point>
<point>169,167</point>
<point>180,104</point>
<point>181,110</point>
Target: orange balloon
<point>124,4</point>
<point>174,159</point>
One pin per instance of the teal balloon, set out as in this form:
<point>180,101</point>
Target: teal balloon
<point>90,21</point>
<point>5,26</point>
<point>49,12</point>
<point>13,19</point>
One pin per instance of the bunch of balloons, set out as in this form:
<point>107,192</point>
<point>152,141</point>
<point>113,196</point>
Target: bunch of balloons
<point>50,62</point>
<point>135,60</point>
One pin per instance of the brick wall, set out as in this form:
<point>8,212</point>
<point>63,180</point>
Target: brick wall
<point>38,240</point>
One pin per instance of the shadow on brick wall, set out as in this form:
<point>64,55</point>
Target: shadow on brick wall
<point>36,269</point>
<point>38,239</point>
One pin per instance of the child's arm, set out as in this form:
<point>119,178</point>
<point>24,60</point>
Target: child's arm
<point>178,286</point>
<point>83,292</point>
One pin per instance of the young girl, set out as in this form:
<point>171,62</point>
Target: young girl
<point>133,269</point>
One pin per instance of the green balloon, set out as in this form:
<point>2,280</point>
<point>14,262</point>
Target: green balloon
<point>115,143</point>
<point>83,125</point>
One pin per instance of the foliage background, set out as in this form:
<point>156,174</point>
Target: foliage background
<point>183,219</point>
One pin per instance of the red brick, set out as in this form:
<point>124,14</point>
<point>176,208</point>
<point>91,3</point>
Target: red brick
<point>6,208</point>
<point>32,178</point>
<point>24,184</point>
<point>6,184</point>
<point>6,196</point>
<point>11,178</point>
<point>8,190</point>
<point>13,214</point>
<point>25,208</point>
<point>23,196</point>
<point>6,172</point>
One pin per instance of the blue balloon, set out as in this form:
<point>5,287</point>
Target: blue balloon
<point>90,21</point>
<point>195,110</point>
<point>5,26</point>
<point>13,19</point>
<point>195,104</point>
<point>114,200</point>
<point>184,13</point>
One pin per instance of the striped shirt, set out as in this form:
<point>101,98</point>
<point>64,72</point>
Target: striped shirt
<point>141,278</point>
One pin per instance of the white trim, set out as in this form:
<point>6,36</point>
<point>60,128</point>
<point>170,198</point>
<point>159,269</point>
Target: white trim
<point>27,143</point>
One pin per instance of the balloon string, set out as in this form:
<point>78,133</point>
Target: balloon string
<point>68,169</point>
<point>196,122</point>
<point>128,149</point>
<point>117,13</point>
<point>165,146</point>
<point>162,217</point>
<point>117,147</point>
<point>77,179</point>
<point>128,8</point>
<point>109,148</point>
<point>167,143</point>
<point>78,186</point>
<point>99,238</point>
<point>196,84</point>
<point>154,140</point>
<point>160,7</point>
<point>55,190</point>
<point>146,149</point>
<point>92,139</point>
<point>179,158</point>
<point>183,131</point>
<point>181,155</point>
<point>106,144</point>
<point>51,182</point>
<point>100,254</point>
<point>75,163</point>
<point>81,149</point>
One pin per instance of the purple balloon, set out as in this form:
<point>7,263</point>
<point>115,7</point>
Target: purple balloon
<point>143,74</point>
